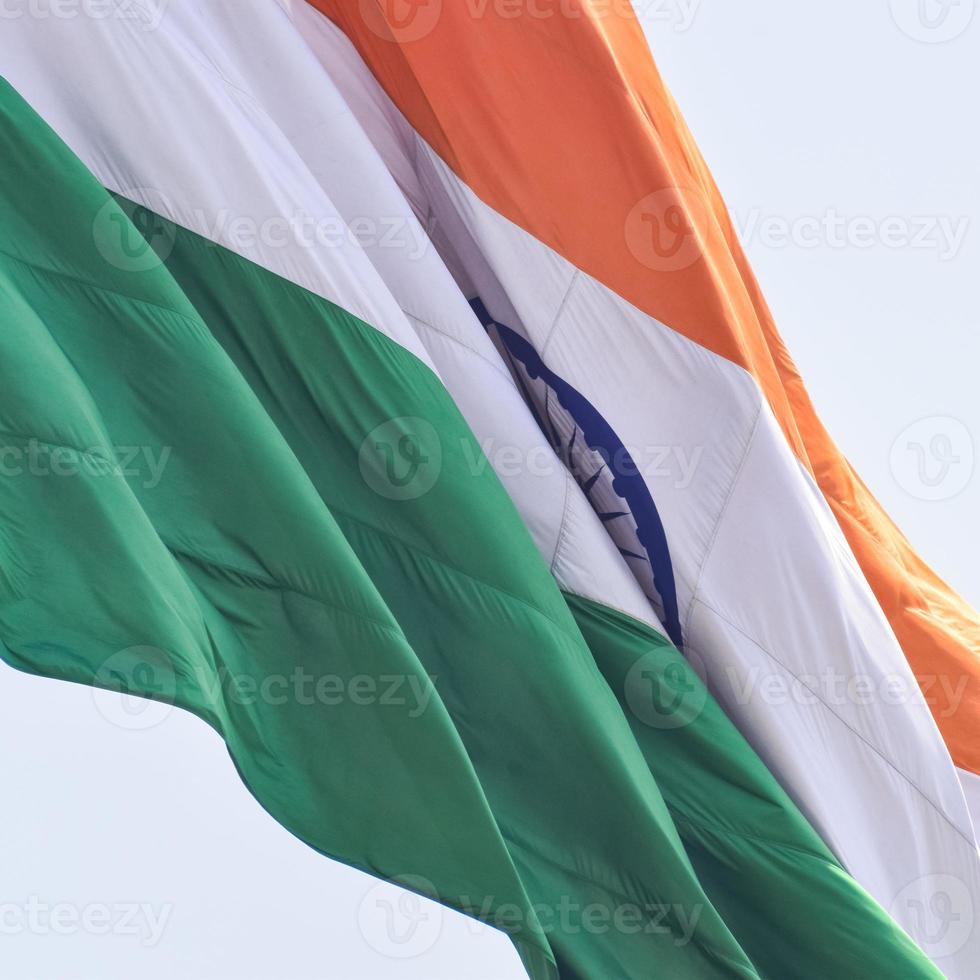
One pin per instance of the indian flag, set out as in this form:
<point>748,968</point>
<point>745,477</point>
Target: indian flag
<point>416,299</point>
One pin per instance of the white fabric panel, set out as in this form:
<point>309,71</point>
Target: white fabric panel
<point>971,789</point>
<point>776,610</point>
<point>167,119</point>
<point>228,137</point>
<point>334,147</point>
<point>812,654</point>
<point>380,120</point>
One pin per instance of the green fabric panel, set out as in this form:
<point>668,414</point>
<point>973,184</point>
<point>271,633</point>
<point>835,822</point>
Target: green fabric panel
<point>231,569</point>
<point>240,561</point>
<point>463,578</point>
<point>791,906</point>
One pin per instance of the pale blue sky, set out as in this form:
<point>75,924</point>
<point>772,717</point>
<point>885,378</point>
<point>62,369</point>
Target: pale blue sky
<point>828,112</point>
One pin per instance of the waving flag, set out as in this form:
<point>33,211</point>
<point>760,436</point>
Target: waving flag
<point>335,277</point>
<point>638,299</point>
